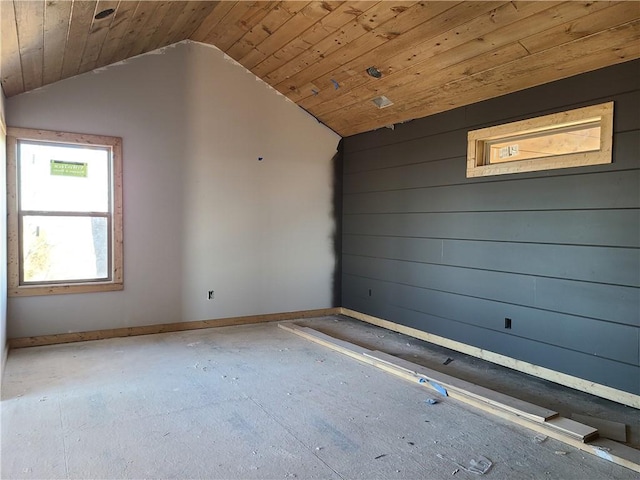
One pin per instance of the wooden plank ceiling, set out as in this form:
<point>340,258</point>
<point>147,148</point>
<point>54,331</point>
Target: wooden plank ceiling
<point>432,56</point>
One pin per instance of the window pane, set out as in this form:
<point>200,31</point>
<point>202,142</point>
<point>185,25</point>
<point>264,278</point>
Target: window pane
<point>63,178</point>
<point>64,248</point>
<point>560,141</point>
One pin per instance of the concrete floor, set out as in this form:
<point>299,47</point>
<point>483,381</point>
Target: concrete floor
<point>256,402</point>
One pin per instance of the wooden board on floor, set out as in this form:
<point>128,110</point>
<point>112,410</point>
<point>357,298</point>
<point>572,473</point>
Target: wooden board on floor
<point>497,399</point>
<point>563,429</point>
<point>574,429</point>
<point>606,428</point>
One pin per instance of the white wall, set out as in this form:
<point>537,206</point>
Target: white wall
<point>200,211</point>
<point>3,236</point>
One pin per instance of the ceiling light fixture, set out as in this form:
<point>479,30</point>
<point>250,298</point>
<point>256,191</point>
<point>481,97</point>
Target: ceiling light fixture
<point>382,101</point>
<point>104,13</point>
<point>374,72</point>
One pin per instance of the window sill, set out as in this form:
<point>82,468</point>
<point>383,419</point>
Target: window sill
<point>36,290</point>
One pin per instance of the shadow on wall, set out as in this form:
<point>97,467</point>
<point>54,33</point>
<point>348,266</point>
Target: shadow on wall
<point>336,201</point>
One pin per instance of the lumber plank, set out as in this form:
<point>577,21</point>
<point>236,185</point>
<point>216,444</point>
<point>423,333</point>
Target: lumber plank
<point>117,32</point>
<point>603,391</point>
<point>297,24</point>
<point>390,23</point>
<point>572,428</point>
<point>128,26</point>
<point>346,348</point>
<point>171,11</point>
<point>239,23</point>
<point>218,13</point>
<point>12,83</point>
<point>192,15</point>
<point>603,448</point>
<point>612,46</point>
<point>56,24</point>
<point>432,53</point>
<point>81,15</point>
<point>326,26</point>
<point>447,67</point>
<point>582,26</point>
<point>277,17</point>
<point>30,24</point>
<point>221,37</point>
<point>497,399</point>
<point>97,36</point>
<point>606,428</point>
<point>458,26</point>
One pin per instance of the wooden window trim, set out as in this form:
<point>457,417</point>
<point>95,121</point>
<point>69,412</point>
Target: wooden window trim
<point>476,139</point>
<point>13,250</point>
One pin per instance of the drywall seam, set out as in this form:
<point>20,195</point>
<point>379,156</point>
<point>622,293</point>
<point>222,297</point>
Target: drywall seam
<point>581,384</point>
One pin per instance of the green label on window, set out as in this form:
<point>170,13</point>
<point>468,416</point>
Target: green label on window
<point>68,169</point>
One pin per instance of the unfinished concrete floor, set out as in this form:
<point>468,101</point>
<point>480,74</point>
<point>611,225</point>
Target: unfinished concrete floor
<point>254,402</point>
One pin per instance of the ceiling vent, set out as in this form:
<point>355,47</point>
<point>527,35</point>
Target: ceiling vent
<point>382,101</point>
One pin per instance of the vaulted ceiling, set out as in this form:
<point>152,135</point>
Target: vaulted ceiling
<point>429,56</point>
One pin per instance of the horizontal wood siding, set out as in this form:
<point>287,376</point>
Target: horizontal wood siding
<point>557,252</point>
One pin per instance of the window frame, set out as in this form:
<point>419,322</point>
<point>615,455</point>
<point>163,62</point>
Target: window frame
<point>116,281</point>
<point>477,140</point>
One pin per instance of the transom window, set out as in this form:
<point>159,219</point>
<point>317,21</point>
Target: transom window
<point>64,212</point>
<point>574,138</point>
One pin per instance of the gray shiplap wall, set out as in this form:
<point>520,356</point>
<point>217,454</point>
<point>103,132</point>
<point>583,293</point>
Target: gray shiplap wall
<point>557,252</point>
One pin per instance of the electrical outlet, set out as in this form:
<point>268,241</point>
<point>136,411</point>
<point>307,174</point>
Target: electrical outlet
<point>507,323</point>
<point>211,295</point>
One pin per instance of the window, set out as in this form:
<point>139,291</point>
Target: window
<point>64,212</point>
<point>568,139</point>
